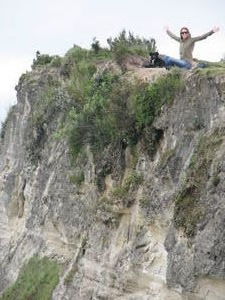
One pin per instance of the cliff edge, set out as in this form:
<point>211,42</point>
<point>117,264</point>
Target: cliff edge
<point>114,174</point>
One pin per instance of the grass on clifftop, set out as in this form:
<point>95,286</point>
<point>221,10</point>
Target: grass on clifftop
<point>118,48</point>
<point>212,69</point>
<point>36,281</point>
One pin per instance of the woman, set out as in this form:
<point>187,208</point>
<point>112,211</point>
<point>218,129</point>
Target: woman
<point>186,47</point>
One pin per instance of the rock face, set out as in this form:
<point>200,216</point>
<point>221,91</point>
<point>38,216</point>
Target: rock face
<point>169,240</point>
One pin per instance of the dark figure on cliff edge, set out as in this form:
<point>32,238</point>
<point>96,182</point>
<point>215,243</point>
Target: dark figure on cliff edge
<point>186,48</point>
<point>187,43</point>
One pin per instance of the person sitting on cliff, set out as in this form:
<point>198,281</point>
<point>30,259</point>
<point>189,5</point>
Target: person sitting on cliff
<point>186,48</point>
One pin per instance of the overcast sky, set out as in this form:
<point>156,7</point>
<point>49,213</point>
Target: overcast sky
<point>53,26</point>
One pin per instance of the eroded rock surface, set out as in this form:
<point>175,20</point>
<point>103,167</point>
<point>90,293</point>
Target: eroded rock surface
<point>164,244</point>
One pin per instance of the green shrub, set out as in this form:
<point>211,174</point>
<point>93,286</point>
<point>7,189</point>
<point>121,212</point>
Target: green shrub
<point>78,55</point>
<point>81,82</point>
<point>79,66</point>
<point>56,62</point>
<point>37,280</point>
<point>150,98</point>
<point>124,45</point>
<point>112,109</point>
<point>104,118</point>
<point>41,60</point>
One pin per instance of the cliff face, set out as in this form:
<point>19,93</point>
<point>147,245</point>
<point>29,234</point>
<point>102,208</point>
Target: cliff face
<point>131,224</point>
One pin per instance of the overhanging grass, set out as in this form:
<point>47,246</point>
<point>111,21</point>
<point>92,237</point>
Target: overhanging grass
<point>150,98</point>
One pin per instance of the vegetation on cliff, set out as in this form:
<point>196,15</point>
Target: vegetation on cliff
<point>37,280</point>
<point>101,106</point>
<point>110,109</point>
<point>189,209</point>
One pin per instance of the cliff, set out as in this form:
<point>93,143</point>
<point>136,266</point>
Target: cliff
<point>115,174</point>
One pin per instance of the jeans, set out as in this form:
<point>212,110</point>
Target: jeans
<point>172,62</point>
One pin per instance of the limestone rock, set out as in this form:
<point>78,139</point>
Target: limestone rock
<point>163,244</point>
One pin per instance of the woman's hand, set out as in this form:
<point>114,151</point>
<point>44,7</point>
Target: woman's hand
<point>215,29</point>
<point>166,28</point>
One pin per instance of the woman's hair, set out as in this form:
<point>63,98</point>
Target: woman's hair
<point>184,28</point>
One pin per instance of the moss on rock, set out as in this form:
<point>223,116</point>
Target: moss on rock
<point>37,280</point>
<point>189,210</point>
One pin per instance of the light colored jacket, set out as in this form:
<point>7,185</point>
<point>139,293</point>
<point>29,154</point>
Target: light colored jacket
<point>187,46</point>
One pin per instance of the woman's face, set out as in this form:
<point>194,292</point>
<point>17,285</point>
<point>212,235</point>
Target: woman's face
<point>184,33</point>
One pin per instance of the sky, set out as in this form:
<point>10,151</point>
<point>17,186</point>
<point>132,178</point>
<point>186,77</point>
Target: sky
<point>54,26</point>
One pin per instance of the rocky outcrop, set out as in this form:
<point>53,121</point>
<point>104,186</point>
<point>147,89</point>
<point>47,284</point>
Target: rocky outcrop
<point>155,228</point>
